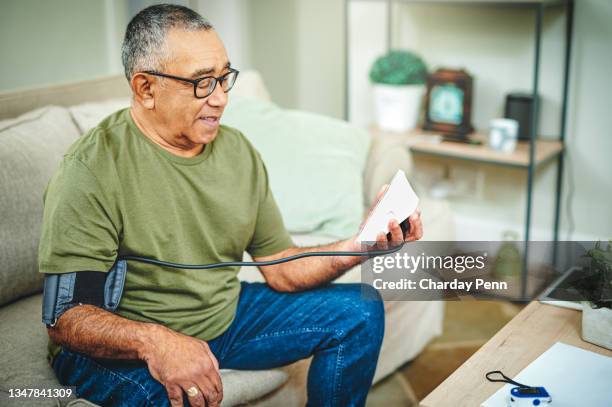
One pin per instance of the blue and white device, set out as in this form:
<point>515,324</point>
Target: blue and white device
<point>529,397</point>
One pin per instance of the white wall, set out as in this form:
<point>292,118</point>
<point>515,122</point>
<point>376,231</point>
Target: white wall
<point>231,20</point>
<point>297,45</point>
<point>273,47</point>
<point>44,42</point>
<point>367,40</point>
<point>590,125</point>
<point>320,66</point>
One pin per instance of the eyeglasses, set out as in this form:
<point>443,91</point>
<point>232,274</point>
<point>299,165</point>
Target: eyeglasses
<point>204,87</point>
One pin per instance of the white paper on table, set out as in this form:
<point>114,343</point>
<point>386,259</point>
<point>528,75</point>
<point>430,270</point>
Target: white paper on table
<point>572,376</point>
<point>399,202</point>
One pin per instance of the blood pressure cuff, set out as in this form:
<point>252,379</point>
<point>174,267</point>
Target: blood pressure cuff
<point>64,291</point>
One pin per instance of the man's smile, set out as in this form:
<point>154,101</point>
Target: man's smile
<point>212,121</point>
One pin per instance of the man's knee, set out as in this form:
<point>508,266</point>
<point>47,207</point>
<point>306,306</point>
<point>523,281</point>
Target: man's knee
<point>373,307</point>
<point>366,311</point>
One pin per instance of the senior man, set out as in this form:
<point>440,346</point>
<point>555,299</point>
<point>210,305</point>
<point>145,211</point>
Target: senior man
<point>163,179</point>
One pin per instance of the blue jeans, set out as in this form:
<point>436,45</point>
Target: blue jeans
<point>333,323</point>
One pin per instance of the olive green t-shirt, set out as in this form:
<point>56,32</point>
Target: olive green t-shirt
<point>118,193</point>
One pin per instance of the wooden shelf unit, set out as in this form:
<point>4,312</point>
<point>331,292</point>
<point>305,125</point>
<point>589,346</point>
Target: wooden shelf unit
<point>545,150</point>
<point>529,155</point>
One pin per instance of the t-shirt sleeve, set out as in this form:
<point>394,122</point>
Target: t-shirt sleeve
<point>270,235</point>
<point>78,232</point>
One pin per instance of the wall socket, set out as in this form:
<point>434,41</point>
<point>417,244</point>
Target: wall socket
<point>451,179</point>
<point>468,180</point>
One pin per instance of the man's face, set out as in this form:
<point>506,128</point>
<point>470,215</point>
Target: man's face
<point>189,121</point>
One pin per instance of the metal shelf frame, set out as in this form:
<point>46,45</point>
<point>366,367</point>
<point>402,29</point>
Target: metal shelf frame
<point>538,8</point>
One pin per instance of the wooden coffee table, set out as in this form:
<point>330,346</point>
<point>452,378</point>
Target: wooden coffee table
<point>535,329</point>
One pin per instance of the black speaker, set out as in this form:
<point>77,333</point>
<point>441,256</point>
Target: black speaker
<point>519,106</point>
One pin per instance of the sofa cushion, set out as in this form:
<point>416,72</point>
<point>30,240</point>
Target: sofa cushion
<point>242,386</point>
<point>23,363</point>
<point>31,147</point>
<point>23,340</point>
<point>89,115</point>
<point>315,164</point>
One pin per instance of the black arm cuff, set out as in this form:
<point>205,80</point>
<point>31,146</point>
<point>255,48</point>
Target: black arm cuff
<point>64,291</point>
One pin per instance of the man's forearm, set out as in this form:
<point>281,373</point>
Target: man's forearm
<point>99,333</point>
<point>310,272</point>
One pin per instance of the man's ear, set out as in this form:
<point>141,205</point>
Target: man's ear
<point>142,87</point>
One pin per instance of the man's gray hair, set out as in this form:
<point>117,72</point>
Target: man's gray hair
<point>144,45</point>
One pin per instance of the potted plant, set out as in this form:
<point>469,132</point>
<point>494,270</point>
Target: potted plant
<point>399,84</point>
<point>596,288</point>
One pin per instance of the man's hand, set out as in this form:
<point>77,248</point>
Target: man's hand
<point>180,363</point>
<point>177,361</point>
<point>415,232</point>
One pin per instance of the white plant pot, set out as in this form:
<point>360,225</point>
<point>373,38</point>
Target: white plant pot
<point>597,325</point>
<point>397,107</point>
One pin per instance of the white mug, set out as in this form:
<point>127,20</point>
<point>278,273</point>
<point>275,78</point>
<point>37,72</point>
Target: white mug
<point>503,135</point>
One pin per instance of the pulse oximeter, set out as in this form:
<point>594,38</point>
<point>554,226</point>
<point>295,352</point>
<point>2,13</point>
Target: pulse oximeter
<point>529,397</point>
<point>522,395</point>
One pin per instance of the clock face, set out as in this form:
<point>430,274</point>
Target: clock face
<point>446,104</point>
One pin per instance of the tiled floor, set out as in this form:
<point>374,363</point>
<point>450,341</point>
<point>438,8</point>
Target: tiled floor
<point>467,326</point>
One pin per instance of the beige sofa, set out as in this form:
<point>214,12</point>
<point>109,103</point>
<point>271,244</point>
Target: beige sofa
<point>37,126</point>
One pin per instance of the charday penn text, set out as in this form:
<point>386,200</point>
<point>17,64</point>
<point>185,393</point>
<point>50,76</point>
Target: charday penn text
<point>431,284</point>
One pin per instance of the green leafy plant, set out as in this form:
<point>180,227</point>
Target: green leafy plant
<point>398,67</point>
<point>595,284</point>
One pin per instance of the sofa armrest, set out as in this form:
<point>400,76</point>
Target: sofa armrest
<point>387,155</point>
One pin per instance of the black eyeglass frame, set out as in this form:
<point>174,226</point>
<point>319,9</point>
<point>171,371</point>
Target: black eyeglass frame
<point>195,82</point>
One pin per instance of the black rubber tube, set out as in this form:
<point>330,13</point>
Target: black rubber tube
<point>372,253</point>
